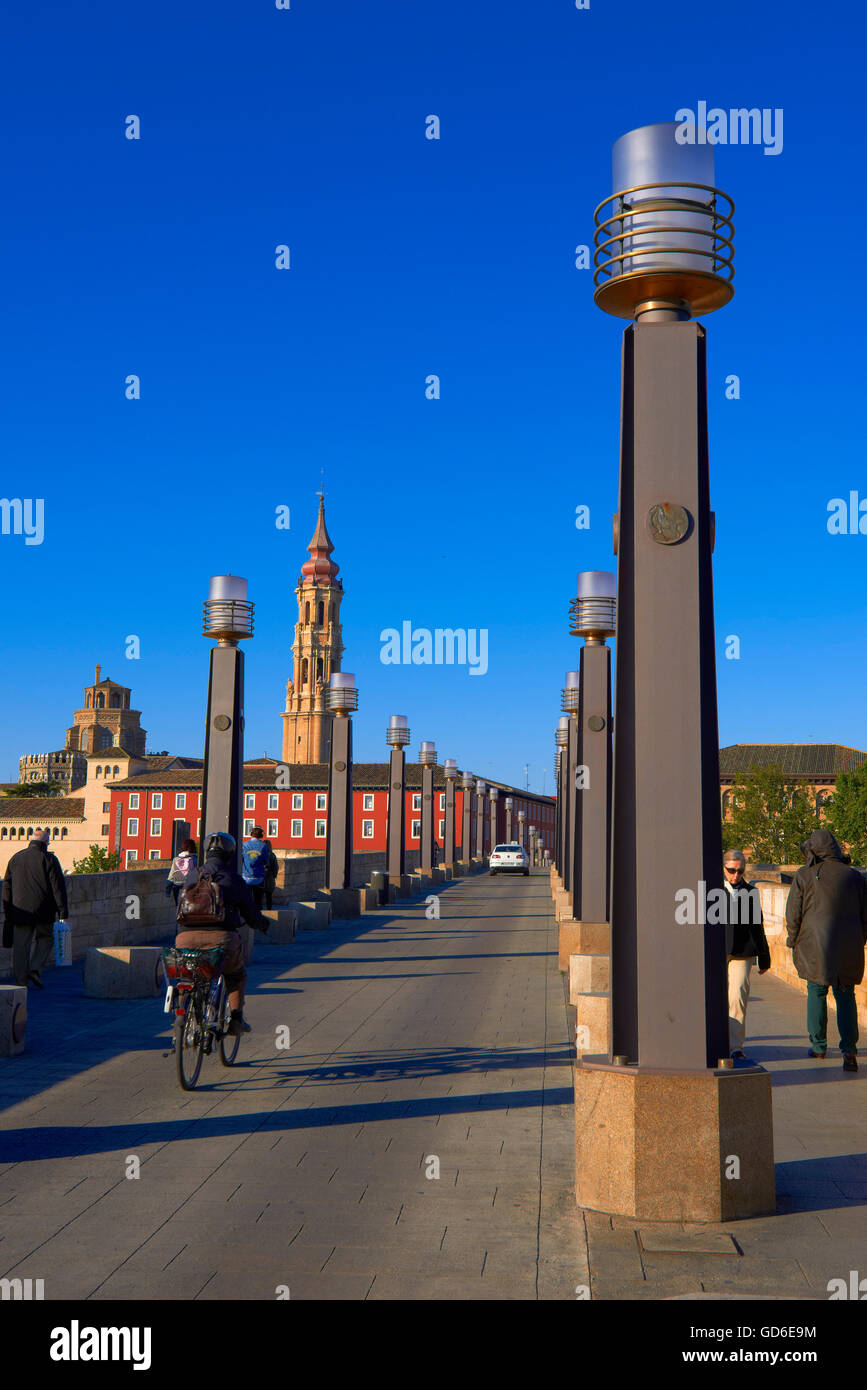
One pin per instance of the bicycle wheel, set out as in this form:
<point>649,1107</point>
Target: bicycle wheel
<point>189,1043</point>
<point>228,1045</point>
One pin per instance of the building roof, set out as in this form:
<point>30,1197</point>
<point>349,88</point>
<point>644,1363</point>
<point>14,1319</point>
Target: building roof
<point>41,808</point>
<point>365,776</point>
<point>795,759</point>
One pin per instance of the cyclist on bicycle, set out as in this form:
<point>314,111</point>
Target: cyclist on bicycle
<point>221,854</point>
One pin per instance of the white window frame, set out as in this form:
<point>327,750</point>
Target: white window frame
<point>273,802</point>
<point>157,801</point>
<point>322,801</point>
<point>367,801</point>
<point>249,801</point>
<point>153,854</point>
<point>367,830</point>
<point>442,801</point>
<point>133,801</point>
<point>130,856</point>
<point>248,826</point>
<point>132,827</point>
<point>416,801</point>
<point>297,829</point>
<point>416,830</point>
<point>199,826</point>
<point>180,801</point>
<point>319,834</point>
<point>441,833</point>
<point>156,825</point>
<point>272,829</point>
<point>200,801</point>
<point>297,801</point>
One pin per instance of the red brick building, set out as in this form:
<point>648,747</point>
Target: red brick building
<point>145,807</point>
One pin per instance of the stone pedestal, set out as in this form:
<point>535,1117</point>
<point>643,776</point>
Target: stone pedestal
<point>448,872</point>
<point>418,883</point>
<point>398,888</point>
<point>312,916</point>
<point>379,884</point>
<point>592,1023</point>
<point>345,903</point>
<point>368,899</point>
<point>666,1145</point>
<point>282,930</point>
<point>583,937</point>
<point>13,1019</point>
<point>124,972</point>
<point>589,973</point>
<point>437,875</point>
<point>463,866</point>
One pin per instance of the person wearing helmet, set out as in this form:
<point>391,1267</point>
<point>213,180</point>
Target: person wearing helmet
<point>221,853</point>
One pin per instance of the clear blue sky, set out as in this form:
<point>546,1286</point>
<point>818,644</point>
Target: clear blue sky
<point>408,257</point>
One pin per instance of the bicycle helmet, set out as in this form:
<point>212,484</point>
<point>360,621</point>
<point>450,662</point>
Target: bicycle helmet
<point>220,845</point>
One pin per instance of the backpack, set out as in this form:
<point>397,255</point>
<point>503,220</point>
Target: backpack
<point>184,869</point>
<point>201,905</point>
<point>256,856</point>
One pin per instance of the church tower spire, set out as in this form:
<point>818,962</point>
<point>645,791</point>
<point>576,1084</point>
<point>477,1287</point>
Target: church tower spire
<point>317,652</point>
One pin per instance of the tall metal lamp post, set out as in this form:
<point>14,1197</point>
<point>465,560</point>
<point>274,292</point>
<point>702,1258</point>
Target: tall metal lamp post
<point>508,803</point>
<point>450,769</point>
<point>480,819</point>
<point>228,617</point>
<point>570,702</point>
<point>342,699</point>
<point>396,738</point>
<point>562,739</point>
<point>664,254</point>
<point>427,757</point>
<point>593,618</point>
<point>532,838</point>
<point>467,784</point>
<point>494,795</point>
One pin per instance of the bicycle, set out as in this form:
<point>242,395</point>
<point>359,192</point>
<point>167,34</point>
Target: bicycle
<point>196,994</point>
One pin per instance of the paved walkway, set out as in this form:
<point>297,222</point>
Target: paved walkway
<point>415,1045</point>
<point>411,1041</point>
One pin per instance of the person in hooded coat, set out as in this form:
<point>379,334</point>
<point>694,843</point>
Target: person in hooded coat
<point>826,916</point>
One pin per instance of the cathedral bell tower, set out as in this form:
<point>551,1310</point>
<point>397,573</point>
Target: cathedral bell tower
<point>316,651</point>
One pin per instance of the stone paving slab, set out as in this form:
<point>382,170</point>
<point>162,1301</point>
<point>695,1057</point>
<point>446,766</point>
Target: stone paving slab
<point>307,1167</point>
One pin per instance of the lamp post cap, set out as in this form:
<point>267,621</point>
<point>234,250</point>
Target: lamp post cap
<point>596,584</point>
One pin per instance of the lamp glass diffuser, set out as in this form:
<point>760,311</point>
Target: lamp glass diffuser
<point>397,733</point>
<point>341,693</point>
<point>450,767</point>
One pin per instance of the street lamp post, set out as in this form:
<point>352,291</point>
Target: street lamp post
<point>664,254</point>
<point>467,784</point>
<point>593,618</point>
<point>427,757</point>
<point>494,794</point>
<point>508,803</point>
<point>450,769</point>
<point>228,617</point>
<point>570,701</point>
<point>562,739</point>
<point>521,827</point>
<point>532,837</point>
<point>396,737</point>
<point>342,699</point>
<point>480,819</point>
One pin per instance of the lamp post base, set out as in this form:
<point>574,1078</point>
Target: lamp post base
<point>666,1145</point>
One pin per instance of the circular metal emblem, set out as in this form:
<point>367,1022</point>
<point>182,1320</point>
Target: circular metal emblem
<point>596,722</point>
<point>427,796</point>
<point>222,722</point>
<point>667,523</point>
<point>340,767</point>
<point>396,786</point>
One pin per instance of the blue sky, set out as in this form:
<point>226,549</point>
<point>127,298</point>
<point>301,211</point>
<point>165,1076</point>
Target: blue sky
<point>409,257</point>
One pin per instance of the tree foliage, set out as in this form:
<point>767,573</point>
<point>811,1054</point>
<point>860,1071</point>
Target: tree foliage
<point>846,813</point>
<point>98,861</point>
<point>36,789</point>
<point>772,816</point>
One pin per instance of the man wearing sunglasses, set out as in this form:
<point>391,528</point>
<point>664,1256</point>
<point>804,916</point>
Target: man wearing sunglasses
<point>745,941</point>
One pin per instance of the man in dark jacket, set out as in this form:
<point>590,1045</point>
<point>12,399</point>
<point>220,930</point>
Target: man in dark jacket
<point>34,894</point>
<point>745,942</point>
<point>826,915</point>
<point>220,859</point>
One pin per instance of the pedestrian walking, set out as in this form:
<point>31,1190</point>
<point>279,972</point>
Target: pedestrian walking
<point>745,944</point>
<point>826,916</point>
<point>34,895</point>
<point>184,871</point>
<point>270,880</point>
<point>255,856</point>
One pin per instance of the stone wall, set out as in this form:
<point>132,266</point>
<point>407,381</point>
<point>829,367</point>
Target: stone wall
<point>774,897</point>
<point>100,904</point>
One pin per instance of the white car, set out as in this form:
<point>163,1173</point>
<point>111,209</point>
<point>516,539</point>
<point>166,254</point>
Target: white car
<point>509,859</point>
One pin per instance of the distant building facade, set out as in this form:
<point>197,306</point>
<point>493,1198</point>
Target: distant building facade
<point>814,765</point>
<point>106,720</point>
<point>62,766</point>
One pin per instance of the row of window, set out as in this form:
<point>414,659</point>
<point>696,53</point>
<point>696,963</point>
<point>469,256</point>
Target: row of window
<point>273,801</point>
<point>297,831</point>
<point>10,833</point>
